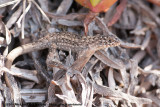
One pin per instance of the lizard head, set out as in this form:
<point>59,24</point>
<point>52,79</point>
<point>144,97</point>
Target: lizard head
<point>111,41</point>
<point>106,41</point>
<point>99,41</point>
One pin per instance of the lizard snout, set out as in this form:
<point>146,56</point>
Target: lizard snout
<point>113,41</point>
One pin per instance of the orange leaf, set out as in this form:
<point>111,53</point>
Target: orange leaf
<point>84,3</point>
<point>102,6</point>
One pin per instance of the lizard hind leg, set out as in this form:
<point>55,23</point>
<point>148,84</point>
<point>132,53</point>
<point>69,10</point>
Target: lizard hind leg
<point>53,60</point>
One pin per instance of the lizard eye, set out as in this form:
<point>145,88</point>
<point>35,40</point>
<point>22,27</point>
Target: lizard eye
<point>109,41</point>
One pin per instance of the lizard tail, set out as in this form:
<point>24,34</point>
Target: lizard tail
<point>21,50</point>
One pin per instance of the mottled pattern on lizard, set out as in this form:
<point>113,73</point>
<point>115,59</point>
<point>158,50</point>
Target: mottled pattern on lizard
<point>64,41</point>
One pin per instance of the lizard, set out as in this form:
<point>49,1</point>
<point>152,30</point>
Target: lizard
<point>67,41</point>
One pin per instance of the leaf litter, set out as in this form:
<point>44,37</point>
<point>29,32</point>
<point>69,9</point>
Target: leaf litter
<point>127,75</point>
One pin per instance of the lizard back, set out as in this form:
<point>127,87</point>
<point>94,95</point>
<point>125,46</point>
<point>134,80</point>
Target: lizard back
<point>69,41</point>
